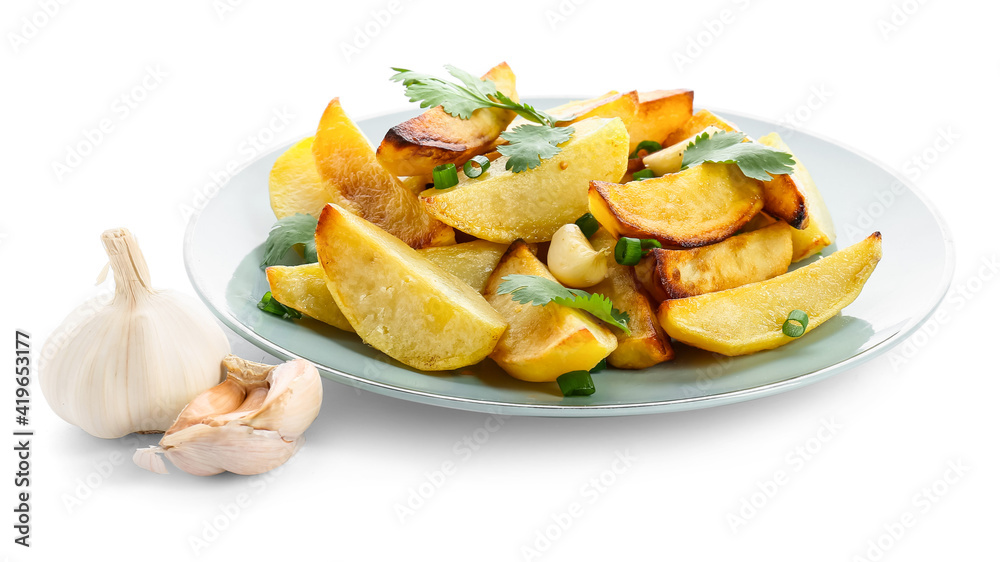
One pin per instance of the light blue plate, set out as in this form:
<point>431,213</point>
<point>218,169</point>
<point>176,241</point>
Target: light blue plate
<point>223,247</point>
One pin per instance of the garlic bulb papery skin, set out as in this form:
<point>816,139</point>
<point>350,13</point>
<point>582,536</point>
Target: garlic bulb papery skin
<point>250,423</point>
<point>130,362</point>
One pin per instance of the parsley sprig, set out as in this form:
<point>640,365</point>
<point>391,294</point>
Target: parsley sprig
<point>527,144</point>
<point>540,291</point>
<point>755,160</point>
<point>289,232</point>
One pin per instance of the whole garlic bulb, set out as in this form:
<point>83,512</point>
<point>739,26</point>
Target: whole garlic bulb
<point>250,423</point>
<point>131,362</point>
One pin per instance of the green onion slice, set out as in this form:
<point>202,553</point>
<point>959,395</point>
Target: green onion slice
<point>628,251</point>
<point>643,174</point>
<point>600,366</point>
<point>649,243</point>
<point>648,145</point>
<point>445,176</point>
<point>588,224</point>
<point>476,171</point>
<point>576,383</point>
<point>796,324</point>
<point>271,306</point>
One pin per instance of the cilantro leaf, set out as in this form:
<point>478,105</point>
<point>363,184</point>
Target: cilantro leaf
<point>530,144</point>
<point>755,160</point>
<point>460,100</point>
<point>288,232</point>
<point>540,291</point>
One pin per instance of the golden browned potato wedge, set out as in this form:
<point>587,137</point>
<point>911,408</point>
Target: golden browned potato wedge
<point>543,342</point>
<point>749,318</point>
<point>502,206</point>
<point>698,122</point>
<point>737,260</point>
<point>612,104</point>
<point>295,185</point>
<point>670,159</point>
<point>347,162</point>
<point>303,287</point>
<point>472,262</point>
<point>695,207</point>
<point>416,146</point>
<point>398,301</point>
<point>646,345</point>
<point>819,231</point>
<point>661,112</point>
<point>759,221</point>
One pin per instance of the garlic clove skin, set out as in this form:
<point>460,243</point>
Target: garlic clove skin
<point>129,363</point>
<point>250,423</point>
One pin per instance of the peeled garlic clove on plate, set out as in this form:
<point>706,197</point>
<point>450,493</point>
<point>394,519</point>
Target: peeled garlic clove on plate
<point>250,423</point>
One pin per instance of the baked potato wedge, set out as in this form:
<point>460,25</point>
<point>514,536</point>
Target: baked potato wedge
<point>646,344</point>
<point>398,301</point>
<point>416,146</point>
<point>737,260</point>
<point>749,318</point>
<point>660,113</point>
<point>347,163</point>
<point>612,104</point>
<point>701,205</point>
<point>472,262</point>
<point>503,206</point>
<point>818,231</point>
<point>295,185</point>
<point>670,159</point>
<point>698,122</point>
<point>543,342</point>
<point>303,287</point>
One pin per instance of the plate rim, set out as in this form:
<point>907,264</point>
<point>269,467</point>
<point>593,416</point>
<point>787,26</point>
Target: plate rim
<point>598,410</point>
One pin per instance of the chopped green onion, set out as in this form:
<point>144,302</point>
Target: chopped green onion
<point>588,224</point>
<point>648,244</point>
<point>474,171</point>
<point>576,383</point>
<point>628,251</point>
<point>445,176</point>
<point>270,305</point>
<point>795,330</point>
<point>644,174</point>
<point>600,366</point>
<point>648,145</point>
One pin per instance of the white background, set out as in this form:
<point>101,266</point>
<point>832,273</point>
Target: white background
<point>895,79</point>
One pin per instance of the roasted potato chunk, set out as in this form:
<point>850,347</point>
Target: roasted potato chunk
<point>303,287</point>
<point>416,146</point>
<point>698,122</point>
<point>818,231</point>
<point>612,104</point>
<point>660,113</point>
<point>398,301</point>
<point>472,262</point>
<point>737,260</point>
<point>698,206</point>
<point>295,185</point>
<point>347,162</point>
<point>646,344</point>
<point>503,206</point>
<point>748,319</point>
<point>543,342</point>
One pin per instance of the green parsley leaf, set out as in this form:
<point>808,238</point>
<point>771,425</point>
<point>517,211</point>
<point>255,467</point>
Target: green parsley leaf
<point>270,305</point>
<point>754,159</point>
<point>530,144</point>
<point>540,291</point>
<point>288,232</point>
<point>460,100</point>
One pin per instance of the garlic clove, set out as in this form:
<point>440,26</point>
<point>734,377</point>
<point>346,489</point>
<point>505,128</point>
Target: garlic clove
<point>250,423</point>
<point>573,261</point>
